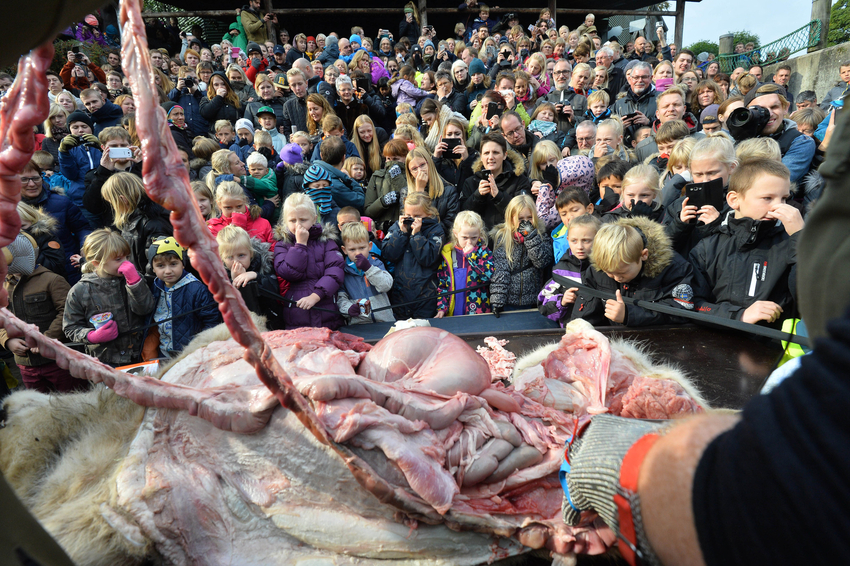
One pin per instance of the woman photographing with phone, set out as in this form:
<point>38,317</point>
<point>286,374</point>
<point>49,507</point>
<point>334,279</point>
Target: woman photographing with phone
<point>452,158</point>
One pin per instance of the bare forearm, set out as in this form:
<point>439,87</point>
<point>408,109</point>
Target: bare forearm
<point>665,484</point>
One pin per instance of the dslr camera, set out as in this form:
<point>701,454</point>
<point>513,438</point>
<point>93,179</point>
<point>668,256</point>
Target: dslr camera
<point>746,123</point>
<point>189,82</point>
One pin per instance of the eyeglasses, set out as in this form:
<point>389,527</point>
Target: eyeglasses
<point>30,180</point>
<point>640,77</point>
<point>418,168</point>
<point>557,72</point>
<point>515,132</point>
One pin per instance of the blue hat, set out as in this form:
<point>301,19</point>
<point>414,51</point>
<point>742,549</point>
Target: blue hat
<point>279,50</point>
<point>476,66</point>
<point>315,173</point>
<point>427,43</point>
<point>355,39</point>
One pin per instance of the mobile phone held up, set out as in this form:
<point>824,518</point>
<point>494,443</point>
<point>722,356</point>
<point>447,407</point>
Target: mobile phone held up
<point>120,153</point>
<point>708,193</point>
<point>451,144</point>
<point>493,109</point>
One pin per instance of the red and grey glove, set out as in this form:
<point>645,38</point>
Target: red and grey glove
<point>106,333</point>
<point>128,270</point>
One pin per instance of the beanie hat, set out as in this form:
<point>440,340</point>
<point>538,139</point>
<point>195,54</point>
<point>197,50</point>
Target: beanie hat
<point>311,38</point>
<point>752,94</point>
<point>315,173</point>
<point>253,47</point>
<point>165,246</point>
<point>427,43</point>
<point>80,116</point>
<point>476,66</point>
<point>503,39</point>
<point>320,197</point>
<point>709,114</point>
<point>244,123</point>
<point>22,254</point>
<point>355,39</point>
<point>408,10</point>
<point>91,20</point>
<point>291,154</point>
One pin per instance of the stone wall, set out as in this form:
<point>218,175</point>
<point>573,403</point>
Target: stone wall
<point>816,71</point>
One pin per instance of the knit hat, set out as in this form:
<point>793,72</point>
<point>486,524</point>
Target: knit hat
<point>355,39</point>
<point>253,47</point>
<point>265,110</point>
<point>80,116</point>
<point>709,114</point>
<point>21,254</point>
<point>311,38</point>
<point>291,154</point>
<point>244,123</point>
<point>320,197</point>
<point>503,39</point>
<point>752,94</point>
<point>165,246</point>
<point>427,43</point>
<point>314,173</point>
<point>476,66</point>
<point>91,20</point>
<point>408,10</point>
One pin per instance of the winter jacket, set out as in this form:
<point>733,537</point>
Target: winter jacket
<point>182,138</point>
<point>217,108</point>
<point>263,188</point>
<point>350,150</point>
<point>276,104</point>
<point>665,278</point>
<point>251,71</point>
<point>74,165</point>
<point>290,178</point>
<point>518,282</point>
<point>130,306</point>
<point>254,26</point>
<point>416,258</point>
<point>259,228</point>
<point>256,300</point>
<point>149,222</point>
<point>348,113</point>
<point>50,252</point>
<point>106,116</point>
<point>457,101</point>
<point>453,172</point>
<point>511,182</point>
<point>742,262</point>
<point>405,91</point>
<point>648,147</point>
<point>95,209</point>
<point>623,212</point>
<point>71,228</point>
<point>331,51</point>
<point>80,83</point>
<point>383,181</point>
<point>478,266</point>
<point>294,115</point>
<point>245,92</point>
<point>686,235</point>
<point>186,295</point>
<point>447,205</point>
<point>345,191</point>
<point>240,40</point>
<point>39,299</point>
<point>549,298</point>
<point>631,102</point>
<point>578,102</point>
<point>409,30</point>
<point>373,284</point>
<point>317,267</point>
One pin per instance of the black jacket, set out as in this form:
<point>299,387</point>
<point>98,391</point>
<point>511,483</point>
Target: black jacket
<point>457,102</point>
<point>218,108</point>
<point>518,282</point>
<point>686,235</point>
<point>745,261</point>
<point>621,211</point>
<point>416,259</point>
<point>456,173</point>
<point>512,181</point>
<point>93,200</point>
<point>294,114</point>
<point>665,278</point>
<point>147,223</point>
<point>276,104</point>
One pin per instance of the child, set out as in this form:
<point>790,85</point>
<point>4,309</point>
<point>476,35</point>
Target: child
<point>467,262</point>
<point>522,253</point>
<point>597,107</point>
<point>676,174</point>
<point>224,133</point>
<point>633,257</point>
<point>232,203</point>
<point>263,144</point>
<point>349,214</point>
<point>609,179</point>
<point>555,301</point>
<point>317,186</point>
<point>571,203</point>
<point>366,281</point>
<point>668,134</point>
<point>311,262</point>
<point>413,244</point>
<point>638,196</point>
<point>808,120</point>
<point>332,127</point>
<point>261,182</point>
<point>543,125</point>
<point>574,171</point>
<point>244,144</point>
<point>205,198</point>
<point>36,296</point>
<point>110,285</point>
<point>42,227</point>
<point>176,292</point>
<point>641,134</point>
<point>356,169</point>
<point>745,269</point>
<point>79,152</point>
<point>758,148</point>
<point>267,119</point>
<point>249,265</point>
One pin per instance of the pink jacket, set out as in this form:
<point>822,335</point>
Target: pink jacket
<point>259,228</point>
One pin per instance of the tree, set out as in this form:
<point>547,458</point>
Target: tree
<point>704,45</point>
<point>745,37</point>
<point>839,23</point>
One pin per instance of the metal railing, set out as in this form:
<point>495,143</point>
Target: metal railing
<point>779,50</point>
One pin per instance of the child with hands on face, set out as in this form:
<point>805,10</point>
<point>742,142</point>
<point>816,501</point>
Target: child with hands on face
<point>231,201</point>
<point>467,262</point>
<point>571,203</point>
<point>366,281</point>
<point>638,196</point>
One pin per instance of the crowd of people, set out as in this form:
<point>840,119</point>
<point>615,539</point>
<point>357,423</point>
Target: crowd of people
<point>351,180</point>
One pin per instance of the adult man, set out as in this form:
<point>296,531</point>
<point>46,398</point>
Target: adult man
<point>254,23</point>
<point>344,47</point>
<point>306,68</point>
<point>670,105</point>
<point>756,71</point>
<point>674,49</point>
<point>55,87</point>
<point>295,108</point>
<point>284,36</point>
<point>447,95</point>
<point>569,105</point>
<point>519,139</point>
<point>585,138</point>
<point>80,75</point>
<point>279,55</point>
<point>468,54</point>
<point>103,112</point>
<point>682,63</point>
<point>781,77</point>
<point>114,60</point>
<point>797,149</point>
<point>639,100</point>
<point>841,88</point>
<point>616,75</point>
<point>806,99</point>
<point>256,63</point>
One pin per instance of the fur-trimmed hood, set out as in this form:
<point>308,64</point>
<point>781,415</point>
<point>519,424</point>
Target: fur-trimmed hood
<point>44,226</point>
<point>263,257</point>
<point>514,163</point>
<point>197,163</point>
<point>657,243</point>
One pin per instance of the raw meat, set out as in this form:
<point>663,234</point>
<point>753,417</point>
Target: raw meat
<point>501,361</point>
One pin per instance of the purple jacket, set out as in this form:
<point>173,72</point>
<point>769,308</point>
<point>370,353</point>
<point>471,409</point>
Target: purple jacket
<point>317,268</point>
<point>405,91</point>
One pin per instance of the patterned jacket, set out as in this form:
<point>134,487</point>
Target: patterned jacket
<point>480,269</point>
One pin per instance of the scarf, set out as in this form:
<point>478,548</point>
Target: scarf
<point>171,122</point>
<point>58,134</point>
<point>544,128</point>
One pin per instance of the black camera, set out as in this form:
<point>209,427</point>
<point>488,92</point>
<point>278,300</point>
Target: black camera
<point>189,82</point>
<point>746,123</point>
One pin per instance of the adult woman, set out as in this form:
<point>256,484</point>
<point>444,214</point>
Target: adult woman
<point>161,80</point>
<point>580,81</point>
<point>174,65</point>
<point>384,193</point>
<point>115,85</point>
<point>267,97</point>
<point>712,69</point>
<point>456,165</point>
<point>66,100</point>
<point>525,95</point>
<point>727,107</point>
<point>55,129</point>
<point>600,78</point>
<point>220,103</point>
<point>460,75</point>
<point>428,82</point>
<point>705,94</point>
<point>365,139</point>
<point>479,82</point>
<point>479,123</point>
<point>127,104</point>
<point>663,70</point>
<point>498,176</point>
<point>722,80</point>
<point>317,108</point>
<point>238,82</point>
<point>688,81</point>
<point>422,177</point>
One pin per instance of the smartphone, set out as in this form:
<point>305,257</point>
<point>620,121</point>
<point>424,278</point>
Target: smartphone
<point>630,116</point>
<point>493,110</point>
<point>708,193</point>
<point>361,83</point>
<point>120,153</point>
<point>451,143</point>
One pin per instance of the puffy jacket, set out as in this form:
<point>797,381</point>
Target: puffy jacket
<point>345,191</point>
<point>517,283</point>
<point>293,113</point>
<point>147,223</point>
<point>256,301</point>
<point>479,270</point>
<point>39,299</point>
<point>686,235</point>
<point>276,104</point>
<point>550,297</point>
<point>331,51</point>
<point>416,258</point>
<point>742,262</point>
<point>373,284</point>
<point>511,182</point>
<point>186,295</point>
<point>456,173</point>
<point>316,267</point>
<point>251,71</point>
<point>50,252</point>
<point>74,164</point>
<point>191,104</point>
<point>130,306</point>
<point>383,181</point>
<point>665,278</point>
<point>259,228</point>
<point>71,228</point>
<point>405,91</point>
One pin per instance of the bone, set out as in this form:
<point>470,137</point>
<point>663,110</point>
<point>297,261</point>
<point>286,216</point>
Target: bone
<point>520,458</point>
<point>487,461</point>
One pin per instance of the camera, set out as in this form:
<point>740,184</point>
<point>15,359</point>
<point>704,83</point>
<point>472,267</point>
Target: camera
<point>189,82</point>
<point>78,57</point>
<point>746,123</point>
<point>524,54</point>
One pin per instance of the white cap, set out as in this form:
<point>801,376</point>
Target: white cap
<point>244,123</point>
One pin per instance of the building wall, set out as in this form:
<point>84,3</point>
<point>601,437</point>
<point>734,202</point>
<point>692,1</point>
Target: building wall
<point>816,71</point>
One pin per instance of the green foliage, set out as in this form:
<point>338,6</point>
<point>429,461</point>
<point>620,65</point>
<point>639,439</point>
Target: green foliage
<point>704,45</point>
<point>744,37</point>
<point>839,23</point>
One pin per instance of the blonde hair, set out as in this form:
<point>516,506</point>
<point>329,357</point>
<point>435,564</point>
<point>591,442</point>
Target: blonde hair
<point>585,220</point>
<point>543,151</point>
<point>220,164</point>
<point>435,182</point>
<point>680,155</point>
<point>350,162</point>
<point>203,147</point>
<point>221,124</point>
<point>230,237</point>
<point>232,189</point>
<point>598,96</point>
<point>294,202</point>
<point>422,200</point>
<point>470,219</point>
<point>260,79</point>
<point>758,148</point>
<point>642,173</point>
<point>504,233</point>
<point>717,147</point>
<point>406,119</point>
<point>123,191</point>
<point>614,245</point>
<point>354,232</point>
<point>410,133</point>
<point>262,138</point>
<point>55,110</point>
<point>202,190</point>
<point>372,150</point>
<point>103,245</point>
<point>31,214</point>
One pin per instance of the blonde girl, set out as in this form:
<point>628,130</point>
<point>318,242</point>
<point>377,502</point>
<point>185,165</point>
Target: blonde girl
<point>355,168</point>
<point>55,130</point>
<point>522,253</point>
<point>422,176</point>
<point>456,165</point>
<point>535,65</point>
<point>205,199</point>
<point>232,202</point>
<point>466,262</point>
<point>365,139</point>
<point>111,287</point>
<point>677,163</point>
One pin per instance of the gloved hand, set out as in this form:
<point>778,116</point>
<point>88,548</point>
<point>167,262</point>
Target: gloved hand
<point>551,176</point>
<point>389,199</point>
<point>68,142</point>
<point>526,228</point>
<point>361,307</point>
<point>91,140</point>
<point>362,262</point>
<point>256,63</point>
<point>106,333</point>
<point>128,270</point>
<point>497,310</point>
<point>640,208</point>
<point>610,200</point>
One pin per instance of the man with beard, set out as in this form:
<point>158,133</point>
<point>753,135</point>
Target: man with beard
<point>639,101</point>
<point>569,105</point>
<point>254,23</point>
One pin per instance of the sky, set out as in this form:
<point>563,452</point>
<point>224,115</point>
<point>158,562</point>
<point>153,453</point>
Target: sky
<point>769,19</point>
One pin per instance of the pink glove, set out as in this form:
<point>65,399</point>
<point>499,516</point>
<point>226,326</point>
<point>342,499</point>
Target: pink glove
<point>108,332</point>
<point>128,270</point>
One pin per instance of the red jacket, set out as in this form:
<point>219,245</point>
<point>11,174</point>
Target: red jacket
<point>259,228</point>
<point>80,83</point>
<point>252,73</point>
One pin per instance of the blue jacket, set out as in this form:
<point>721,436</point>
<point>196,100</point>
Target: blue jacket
<point>350,150</point>
<point>191,104</point>
<point>345,191</point>
<point>186,295</point>
<point>109,114</point>
<point>243,151</point>
<point>74,164</point>
<point>71,227</point>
